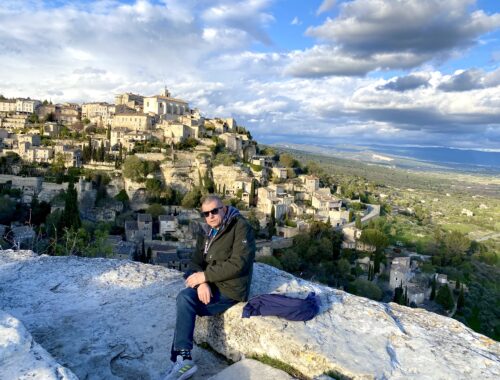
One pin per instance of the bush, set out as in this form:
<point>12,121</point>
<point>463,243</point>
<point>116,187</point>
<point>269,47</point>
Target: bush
<point>365,288</point>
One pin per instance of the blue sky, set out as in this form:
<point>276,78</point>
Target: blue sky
<point>419,72</point>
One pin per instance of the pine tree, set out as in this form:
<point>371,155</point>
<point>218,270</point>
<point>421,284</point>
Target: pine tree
<point>149,255</point>
<point>457,284</point>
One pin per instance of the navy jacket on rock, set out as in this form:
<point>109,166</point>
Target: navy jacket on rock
<point>293,309</point>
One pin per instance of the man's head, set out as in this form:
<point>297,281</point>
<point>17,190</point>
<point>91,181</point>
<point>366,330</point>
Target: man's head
<point>213,210</point>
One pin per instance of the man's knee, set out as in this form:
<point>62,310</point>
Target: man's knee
<point>186,296</point>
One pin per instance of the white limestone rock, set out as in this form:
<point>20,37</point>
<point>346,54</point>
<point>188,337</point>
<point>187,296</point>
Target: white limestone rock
<point>23,358</point>
<point>249,369</point>
<point>353,337</point>
<point>102,319</point>
<point>111,319</point>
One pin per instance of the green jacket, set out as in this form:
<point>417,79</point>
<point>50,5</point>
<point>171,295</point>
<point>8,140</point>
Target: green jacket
<point>228,262</point>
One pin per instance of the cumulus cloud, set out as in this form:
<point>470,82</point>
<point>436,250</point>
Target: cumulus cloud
<point>296,21</point>
<point>248,16</point>
<point>406,83</point>
<point>325,60</point>
<point>471,79</point>
<point>387,34</point>
<point>205,52</point>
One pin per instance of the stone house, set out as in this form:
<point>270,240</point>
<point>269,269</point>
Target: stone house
<point>400,273</point>
<point>168,224</point>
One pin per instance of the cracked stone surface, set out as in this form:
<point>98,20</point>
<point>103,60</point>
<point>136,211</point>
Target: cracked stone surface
<point>102,319</point>
<point>20,355</point>
<point>353,336</point>
<point>111,319</point>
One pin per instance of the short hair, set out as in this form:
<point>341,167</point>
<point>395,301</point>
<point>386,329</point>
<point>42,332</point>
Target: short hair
<point>211,198</point>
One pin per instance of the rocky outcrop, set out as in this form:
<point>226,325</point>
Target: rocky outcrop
<point>353,337</point>
<point>21,357</point>
<point>102,319</point>
<point>111,319</point>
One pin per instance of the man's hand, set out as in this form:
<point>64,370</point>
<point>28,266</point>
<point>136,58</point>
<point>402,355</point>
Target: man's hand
<point>204,293</point>
<point>195,279</point>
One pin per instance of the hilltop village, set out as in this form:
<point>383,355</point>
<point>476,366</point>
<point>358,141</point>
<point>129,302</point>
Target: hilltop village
<point>124,181</point>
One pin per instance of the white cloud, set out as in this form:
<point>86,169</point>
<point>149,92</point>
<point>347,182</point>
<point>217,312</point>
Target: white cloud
<point>203,52</point>
<point>296,21</point>
<point>325,6</point>
<point>370,35</point>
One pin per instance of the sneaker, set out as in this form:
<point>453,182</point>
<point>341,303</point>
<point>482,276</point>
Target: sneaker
<point>182,369</point>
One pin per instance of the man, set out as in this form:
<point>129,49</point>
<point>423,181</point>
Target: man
<point>221,274</point>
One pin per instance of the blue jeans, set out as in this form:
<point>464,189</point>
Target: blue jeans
<point>188,307</point>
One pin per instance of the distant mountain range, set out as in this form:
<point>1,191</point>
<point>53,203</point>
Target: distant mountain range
<point>411,157</point>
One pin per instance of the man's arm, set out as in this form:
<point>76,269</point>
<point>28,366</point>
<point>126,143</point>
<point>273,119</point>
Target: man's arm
<point>241,258</point>
<point>196,264</point>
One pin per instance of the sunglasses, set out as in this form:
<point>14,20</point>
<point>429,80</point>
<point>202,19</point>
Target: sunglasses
<point>215,211</point>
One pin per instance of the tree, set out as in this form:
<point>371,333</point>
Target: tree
<point>461,300</point>
<point>366,289</point>
<point>272,223</point>
<point>155,210</point>
<point>7,210</point>
<point>153,188</point>
<point>433,291</point>
<point>374,237</point>
<point>192,198</point>
<point>122,196</point>
<point>133,168</point>
<point>399,295</point>
<point>358,223</point>
<point>251,199</point>
<point>445,298</point>
<point>254,222</point>
<point>71,214</point>
<point>287,160</point>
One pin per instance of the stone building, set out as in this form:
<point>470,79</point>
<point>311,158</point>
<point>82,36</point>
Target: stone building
<point>239,144</point>
<point>7,105</point>
<point>70,113</point>
<point>164,106</point>
<point>27,105</point>
<point>100,113</point>
<point>130,100</point>
<point>133,121</point>
<point>400,272</point>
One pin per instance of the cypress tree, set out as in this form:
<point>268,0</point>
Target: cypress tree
<point>101,152</point>
<point>71,214</point>
<point>252,194</point>
<point>272,223</point>
<point>433,291</point>
<point>461,299</point>
<point>444,297</point>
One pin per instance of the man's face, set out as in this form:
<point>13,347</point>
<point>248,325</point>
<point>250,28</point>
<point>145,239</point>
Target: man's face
<point>212,220</point>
